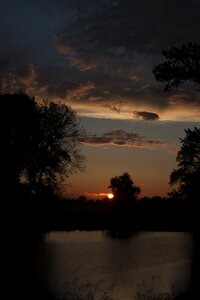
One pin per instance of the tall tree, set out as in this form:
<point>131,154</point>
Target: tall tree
<point>54,153</point>
<point>39,141</point>
<point>186,177</point>
<point>183,65</point>
<point>39,146</point>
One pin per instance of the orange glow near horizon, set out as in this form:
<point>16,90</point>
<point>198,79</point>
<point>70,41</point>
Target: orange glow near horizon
<point>97,196</point>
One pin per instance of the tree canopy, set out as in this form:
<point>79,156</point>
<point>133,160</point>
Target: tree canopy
<point>39,141</point>
<point>181,65</point>
<point>123,188</point>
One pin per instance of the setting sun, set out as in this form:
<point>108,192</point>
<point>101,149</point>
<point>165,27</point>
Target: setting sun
<point>110,196</point>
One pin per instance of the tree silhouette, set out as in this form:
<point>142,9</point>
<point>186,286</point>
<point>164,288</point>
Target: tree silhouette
<point>124,189</point>
<point>39,141</point>
<point>39,146</point>
<point>54,152</point>
<point>182,65</point>
<point>123,211</point>
<point>186,176</point>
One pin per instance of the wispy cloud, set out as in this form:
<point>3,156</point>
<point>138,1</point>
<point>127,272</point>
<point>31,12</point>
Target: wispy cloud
<point>136,77</point>
<point>21,77</point>
<point>122,138</point>
<point>67,91</point>
<point>74,56</point>
<point>115,106</point>
<point>80,91</point>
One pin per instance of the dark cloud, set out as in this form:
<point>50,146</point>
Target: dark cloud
<point>122,138</point>
<point>117,44</point>
<point>127,31</point>
<point>146,115</point>
<point>106,50</point>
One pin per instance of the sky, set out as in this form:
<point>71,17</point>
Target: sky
<point>97,56</point>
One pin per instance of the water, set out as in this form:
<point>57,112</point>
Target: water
<point>83,262</point>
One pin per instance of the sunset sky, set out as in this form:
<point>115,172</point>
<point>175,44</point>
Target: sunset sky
<point>97,56</point>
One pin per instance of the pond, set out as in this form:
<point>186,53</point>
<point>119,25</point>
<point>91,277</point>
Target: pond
<point>80,264</point>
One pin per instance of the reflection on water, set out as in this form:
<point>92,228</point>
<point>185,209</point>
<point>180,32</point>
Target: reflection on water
<point>149,261</point>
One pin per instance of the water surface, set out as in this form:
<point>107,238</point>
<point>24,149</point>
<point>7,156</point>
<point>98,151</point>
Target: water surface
<point>149,262</point>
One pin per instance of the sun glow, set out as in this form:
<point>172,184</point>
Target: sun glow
<point>110,196</point>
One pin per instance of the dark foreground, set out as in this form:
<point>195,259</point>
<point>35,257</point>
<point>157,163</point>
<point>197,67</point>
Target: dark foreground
<point>26,225</point>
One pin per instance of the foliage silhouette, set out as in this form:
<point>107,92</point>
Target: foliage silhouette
<point>182,65</point>
<point>39,146</point>
<point>186,176</point>
<point>123,211</point>
<point>39,141</point>
<point>124,189</point>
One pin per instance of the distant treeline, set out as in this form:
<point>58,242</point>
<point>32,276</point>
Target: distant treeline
<point>154,213</point>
